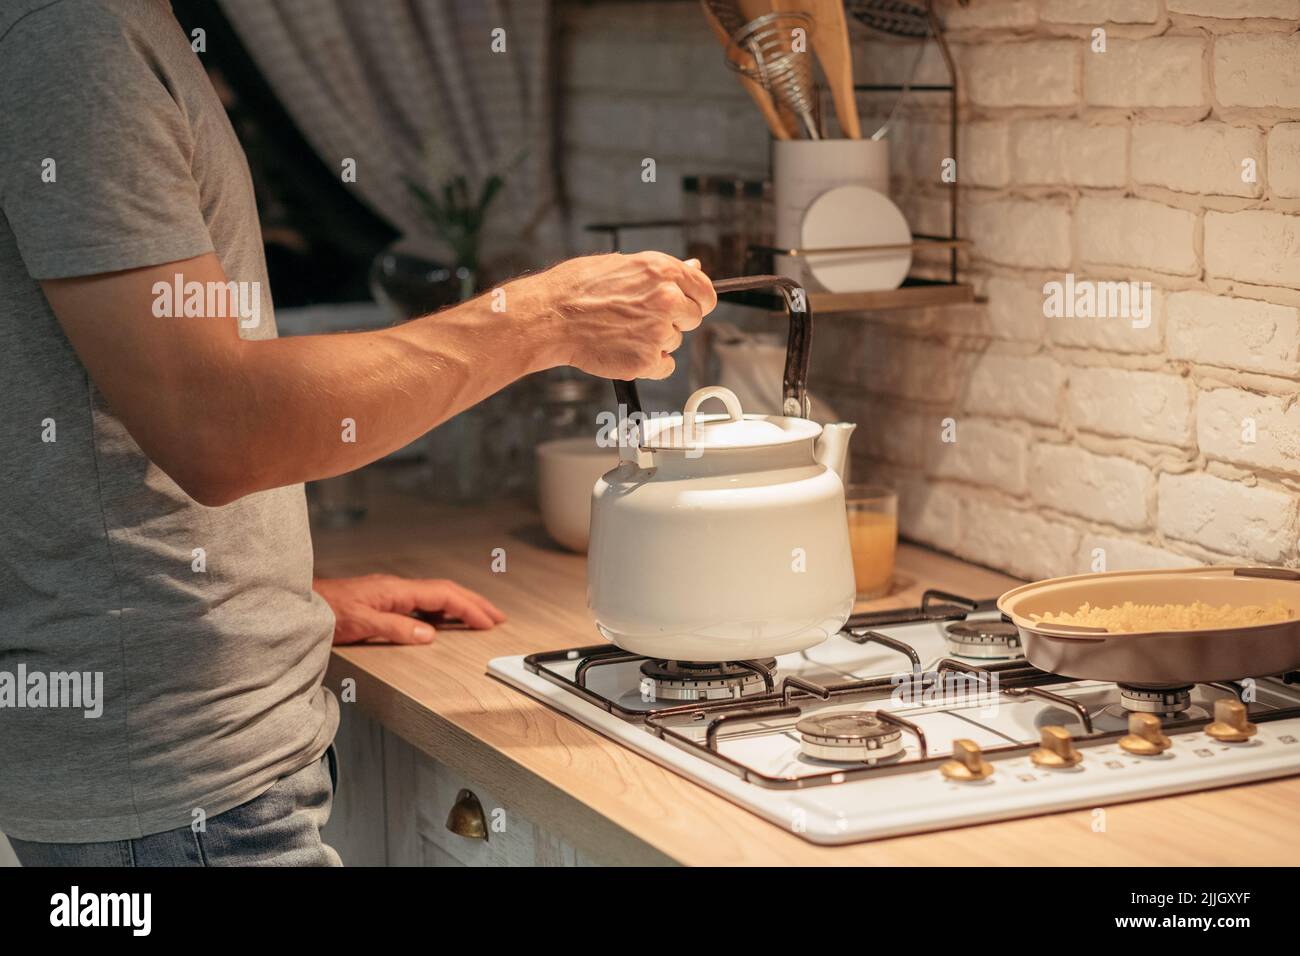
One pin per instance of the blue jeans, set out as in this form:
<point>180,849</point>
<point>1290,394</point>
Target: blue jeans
<point>279,828</point>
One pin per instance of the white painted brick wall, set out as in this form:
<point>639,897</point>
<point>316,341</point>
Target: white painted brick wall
<point>1257,69</point>
<point>1236,9</point>
<point>1102,488</point>
<point>1154,406</point>
<point>931,511</point>
<point>1039,73</point>
<point>1259,431</point>
<point>1100,552</point>
<point>1004,14</point>
<point>984,154</point>
<point>1254,245</point>
<point>1094,12</point>
<point>1012,386</point>
<point>1022,232</point>
<point>923,147</point>
<point>1069,152</point>
<point>1073,433</point>
<point>879,60</point>
<point>1111,334</point>
<point>984,453</point>
<point>1156,72</point>
<point>1228,516</point>
<point>1015,310</point>
<point>1020,541</point>
<point>1137,232</point>
<point>1234,333</point>
<point>1284,159</point>
<point>1160,152</point>
<point>908,368</point>
<point>906,443</point>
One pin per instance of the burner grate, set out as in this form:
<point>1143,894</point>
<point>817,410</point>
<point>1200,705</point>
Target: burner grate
<point>783,700</point>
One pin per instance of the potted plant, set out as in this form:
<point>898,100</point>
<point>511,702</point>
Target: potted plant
<point>411,277</point>
<point>456,211</point>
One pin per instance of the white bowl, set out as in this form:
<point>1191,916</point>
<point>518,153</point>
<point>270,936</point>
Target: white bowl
<point>567,469</point>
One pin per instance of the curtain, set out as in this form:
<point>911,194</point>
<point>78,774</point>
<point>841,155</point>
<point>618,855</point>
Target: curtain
<point>412,89</point>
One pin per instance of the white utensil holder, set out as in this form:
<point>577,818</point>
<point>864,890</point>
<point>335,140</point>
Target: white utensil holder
<point>804,169</point>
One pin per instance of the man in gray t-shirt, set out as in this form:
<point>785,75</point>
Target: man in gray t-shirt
<point>155,434</point>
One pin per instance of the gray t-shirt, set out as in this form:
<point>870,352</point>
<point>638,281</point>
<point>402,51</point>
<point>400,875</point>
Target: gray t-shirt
<point>115,153</point>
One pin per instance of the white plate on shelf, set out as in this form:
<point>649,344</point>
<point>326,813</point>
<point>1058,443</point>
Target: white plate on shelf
<point>856,216</point>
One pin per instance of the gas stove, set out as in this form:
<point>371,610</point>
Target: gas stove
<point>917,719</point>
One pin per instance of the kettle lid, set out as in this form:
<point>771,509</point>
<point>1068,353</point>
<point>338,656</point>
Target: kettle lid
<point>733,430</point>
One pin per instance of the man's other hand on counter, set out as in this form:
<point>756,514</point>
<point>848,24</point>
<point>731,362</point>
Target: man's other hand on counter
<point>378,608</point>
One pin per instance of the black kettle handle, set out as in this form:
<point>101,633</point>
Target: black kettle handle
<point>798,349</point>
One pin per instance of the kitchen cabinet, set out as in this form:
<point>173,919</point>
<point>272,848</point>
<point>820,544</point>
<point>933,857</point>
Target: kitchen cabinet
<point>393,804</point>
<point>512,840</point>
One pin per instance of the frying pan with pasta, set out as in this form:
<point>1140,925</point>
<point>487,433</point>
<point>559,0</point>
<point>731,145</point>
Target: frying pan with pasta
<point>1160,655</point>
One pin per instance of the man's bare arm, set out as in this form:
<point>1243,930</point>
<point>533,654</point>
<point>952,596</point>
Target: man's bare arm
<point>224,417</point>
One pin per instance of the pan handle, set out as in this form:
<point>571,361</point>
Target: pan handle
<point>1280,574</point>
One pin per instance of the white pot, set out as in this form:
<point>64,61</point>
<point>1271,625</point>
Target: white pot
<point>567,468</point>
<point>724,541</point>
<point>803,169</point>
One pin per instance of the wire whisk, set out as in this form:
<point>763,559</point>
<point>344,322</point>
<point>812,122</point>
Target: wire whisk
<point>781,62</point>
<point>727,13</point>
<point>895,17</point>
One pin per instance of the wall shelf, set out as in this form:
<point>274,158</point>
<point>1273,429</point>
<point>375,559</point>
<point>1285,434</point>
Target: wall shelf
<point>912,294</point>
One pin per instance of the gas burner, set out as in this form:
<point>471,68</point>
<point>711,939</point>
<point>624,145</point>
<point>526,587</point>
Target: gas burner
<point>849,737</point>
<point>690,680</point>
<point>1161,701</point>
<point>990,640</point>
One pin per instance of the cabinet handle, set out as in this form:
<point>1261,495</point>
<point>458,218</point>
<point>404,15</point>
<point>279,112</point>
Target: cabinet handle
<point>467,818</point>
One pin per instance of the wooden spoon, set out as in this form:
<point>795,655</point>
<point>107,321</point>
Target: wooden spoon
<point>830,40</point>
<point>778,126</point>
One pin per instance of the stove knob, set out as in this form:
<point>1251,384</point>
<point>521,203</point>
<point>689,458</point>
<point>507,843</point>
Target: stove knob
<point>1056,749</point>
<point>1145,736</point>
<point>1230,723</point>
<point>968,762</point>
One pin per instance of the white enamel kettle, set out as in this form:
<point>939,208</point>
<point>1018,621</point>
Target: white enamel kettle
<point>723,537</point>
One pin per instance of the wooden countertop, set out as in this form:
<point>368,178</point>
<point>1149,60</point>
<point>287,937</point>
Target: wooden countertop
<point>622,808</point>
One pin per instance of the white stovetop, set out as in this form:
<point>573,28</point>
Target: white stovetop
<point>922,799</point>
